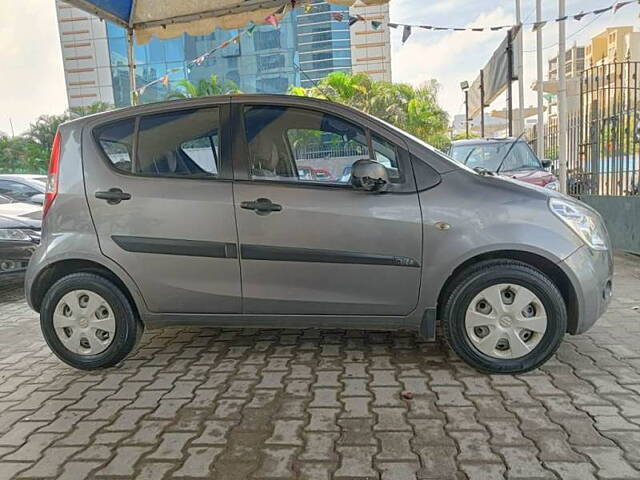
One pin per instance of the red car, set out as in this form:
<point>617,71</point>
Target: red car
<point>508,157</point>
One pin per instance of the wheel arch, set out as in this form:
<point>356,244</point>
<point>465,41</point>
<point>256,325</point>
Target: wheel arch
<point>57,270</point>
<point>535,260</point>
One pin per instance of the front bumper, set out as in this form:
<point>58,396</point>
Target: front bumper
<point>14,258</point>
<point>591,275</point>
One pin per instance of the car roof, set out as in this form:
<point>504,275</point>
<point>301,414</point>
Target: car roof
<point>23,177</point>
<point>485,141</point>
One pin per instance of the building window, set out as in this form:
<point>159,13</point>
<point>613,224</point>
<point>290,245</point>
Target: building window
<point>270,62</point>
<point>265,40</point>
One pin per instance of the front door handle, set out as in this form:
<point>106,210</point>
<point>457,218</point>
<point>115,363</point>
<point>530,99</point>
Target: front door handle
<point>262,206</point>
<point>113,196</point>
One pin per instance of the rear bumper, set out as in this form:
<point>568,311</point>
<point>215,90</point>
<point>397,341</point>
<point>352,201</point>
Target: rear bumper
<point>591,275</point>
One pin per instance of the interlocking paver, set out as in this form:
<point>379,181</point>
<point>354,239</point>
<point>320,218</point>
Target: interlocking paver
<point>246,404</point>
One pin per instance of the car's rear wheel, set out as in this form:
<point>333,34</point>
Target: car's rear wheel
<point>88,322</point>
<point>504,316</point>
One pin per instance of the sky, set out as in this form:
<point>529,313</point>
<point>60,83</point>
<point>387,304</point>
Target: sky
<point>32,78</point>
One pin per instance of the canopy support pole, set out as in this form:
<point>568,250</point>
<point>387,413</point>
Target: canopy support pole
<point>132,67</point>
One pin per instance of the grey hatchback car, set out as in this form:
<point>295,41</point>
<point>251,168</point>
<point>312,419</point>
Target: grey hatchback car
<point>195,213</point>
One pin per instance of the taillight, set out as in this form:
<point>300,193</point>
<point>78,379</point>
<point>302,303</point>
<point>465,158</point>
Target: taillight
<point>52,178</point>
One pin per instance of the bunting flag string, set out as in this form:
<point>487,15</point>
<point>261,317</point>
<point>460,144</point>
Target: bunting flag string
<point>407,28</point>
<point>274,18</point>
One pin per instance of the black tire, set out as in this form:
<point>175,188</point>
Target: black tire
<point>128,331</point>
<point>475,279</point>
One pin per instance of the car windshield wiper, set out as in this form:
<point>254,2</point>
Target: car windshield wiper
<point>522,167</point>
<point>513,144</point>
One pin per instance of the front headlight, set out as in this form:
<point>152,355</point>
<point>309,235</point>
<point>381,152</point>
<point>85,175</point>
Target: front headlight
<point>14,234</point>
<point>555,185</point>
<point>582,221</point>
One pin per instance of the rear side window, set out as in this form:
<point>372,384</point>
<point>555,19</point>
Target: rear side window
<point>183,143</point>
<point>116,140</point>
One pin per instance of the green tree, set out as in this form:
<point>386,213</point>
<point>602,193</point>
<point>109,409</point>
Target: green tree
<point>97,107</point>
<point>203,88</point>
<point>44,129</point>
<point>414,109</point>
<point>22,155</point>
<point>29,153</point>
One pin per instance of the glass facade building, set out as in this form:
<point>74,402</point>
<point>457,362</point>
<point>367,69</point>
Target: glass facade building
<point>309,44</point>
<point>264,62</point>
<point>324,43</point>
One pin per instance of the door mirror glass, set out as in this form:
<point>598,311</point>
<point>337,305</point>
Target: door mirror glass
<point>369,176</point>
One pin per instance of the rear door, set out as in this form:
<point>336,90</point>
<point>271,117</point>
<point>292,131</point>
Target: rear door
<point>310,244</point>
<point>159,190</point>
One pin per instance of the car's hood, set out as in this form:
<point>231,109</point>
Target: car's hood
<point>23,213</point>
<point>536,177</point>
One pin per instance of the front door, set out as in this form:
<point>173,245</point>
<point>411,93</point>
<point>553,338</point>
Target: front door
<point>165,213</point>
<point>309,243</point>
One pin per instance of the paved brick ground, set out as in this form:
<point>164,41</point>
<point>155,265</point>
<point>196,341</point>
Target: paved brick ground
<point>236,404</point>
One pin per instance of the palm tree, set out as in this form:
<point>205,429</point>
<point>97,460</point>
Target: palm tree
<point>96,107</point>
<point>414,109</point>
<point>203,88</point>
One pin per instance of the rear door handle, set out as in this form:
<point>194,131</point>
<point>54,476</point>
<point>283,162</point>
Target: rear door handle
<point>262,206</point>
<point>113,196</point>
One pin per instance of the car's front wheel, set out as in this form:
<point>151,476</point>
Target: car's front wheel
<point>504,316</point>
<point>88,322</point>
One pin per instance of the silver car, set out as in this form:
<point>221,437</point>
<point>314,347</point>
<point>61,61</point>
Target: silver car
<point>195,213</point>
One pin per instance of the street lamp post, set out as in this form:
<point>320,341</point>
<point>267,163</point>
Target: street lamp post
<point>465,88</point>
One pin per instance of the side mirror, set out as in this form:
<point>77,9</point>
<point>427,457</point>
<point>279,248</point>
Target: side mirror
<point>546,163</point>
<point>369,176</point>
<point>38,199</point>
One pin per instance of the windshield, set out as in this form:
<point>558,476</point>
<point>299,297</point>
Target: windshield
<point>490,155</point>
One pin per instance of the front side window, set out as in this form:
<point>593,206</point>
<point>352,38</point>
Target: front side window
<point>290,144</point>
<point>183,143</point>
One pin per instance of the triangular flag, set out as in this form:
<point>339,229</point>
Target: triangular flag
<point>562,19</point>
<point>224,44</point>
<point>251,28</point>
<point>293,4</point>
<point>459,29</point>
<point>280,11</point>
<point>538,25</point>
<point>426,27</point>
<point>375,24</point>
<point>142,89</point>
<point>272,20</point>
<point>308,7</point>
<point>165,81</point>
<point>355,19</point>
<point>392,25</point>
<point>337,16</point>
<point>406,33</point>
<point>236,39</point>
<point>580,16</point>
<point>619,5</point>
<point>495,29</point>
<point>477,29</point>
<point>602,10</point>
<point>441,28</point>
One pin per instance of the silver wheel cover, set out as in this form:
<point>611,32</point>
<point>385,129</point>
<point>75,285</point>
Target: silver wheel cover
<point>505,321</point>
<point>84,322</point>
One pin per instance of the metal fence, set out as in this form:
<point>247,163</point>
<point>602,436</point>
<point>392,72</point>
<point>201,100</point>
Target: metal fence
<point>604,135</point>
